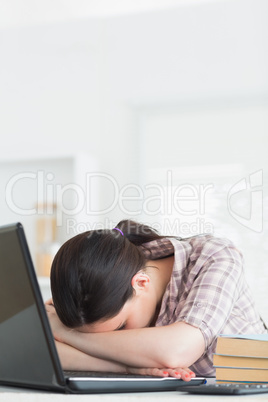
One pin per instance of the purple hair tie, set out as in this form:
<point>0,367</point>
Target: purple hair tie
<point>119,230</point>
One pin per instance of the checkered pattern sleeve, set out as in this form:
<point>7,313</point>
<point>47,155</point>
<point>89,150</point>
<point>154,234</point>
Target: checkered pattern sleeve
<point>209,301</point>
<point>208,290</point>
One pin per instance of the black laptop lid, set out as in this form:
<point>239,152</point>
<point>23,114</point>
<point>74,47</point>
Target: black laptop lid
<point>27,351</point>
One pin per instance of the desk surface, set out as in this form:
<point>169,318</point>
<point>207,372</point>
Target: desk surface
<point>8,394</point>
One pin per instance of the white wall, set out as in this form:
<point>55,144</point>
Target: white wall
<point>197,51</point>
<point>50,88</point>
<point>77,86</point>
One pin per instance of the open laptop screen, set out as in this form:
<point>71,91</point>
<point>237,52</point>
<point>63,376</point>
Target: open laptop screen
<point>25,357</point>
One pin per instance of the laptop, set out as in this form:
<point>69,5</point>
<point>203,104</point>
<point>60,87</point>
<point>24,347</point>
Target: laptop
<point>28,355</point>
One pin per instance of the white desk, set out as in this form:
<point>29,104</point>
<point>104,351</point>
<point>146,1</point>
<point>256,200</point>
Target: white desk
<point>23,395</point>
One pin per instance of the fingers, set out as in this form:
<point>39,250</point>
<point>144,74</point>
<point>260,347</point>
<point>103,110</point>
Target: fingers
<point>49,302</point>
<point>184,374</point>
<point>49,308</point>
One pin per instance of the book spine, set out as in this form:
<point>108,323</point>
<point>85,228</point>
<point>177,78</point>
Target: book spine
<point>226,374</point>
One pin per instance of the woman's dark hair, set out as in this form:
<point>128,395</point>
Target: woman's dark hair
<point>91,273</point>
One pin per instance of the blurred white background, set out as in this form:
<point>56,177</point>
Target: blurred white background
<point>151,110</point>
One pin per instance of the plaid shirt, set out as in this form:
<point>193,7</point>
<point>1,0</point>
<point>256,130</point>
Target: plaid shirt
<point>207,289</point>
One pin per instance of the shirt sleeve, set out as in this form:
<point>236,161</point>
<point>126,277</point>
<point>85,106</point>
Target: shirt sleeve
<point>214,290</point>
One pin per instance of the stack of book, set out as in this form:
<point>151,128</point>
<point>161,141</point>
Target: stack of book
<point>241,358</point>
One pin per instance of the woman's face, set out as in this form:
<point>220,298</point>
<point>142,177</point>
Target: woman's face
<point>138,312</point>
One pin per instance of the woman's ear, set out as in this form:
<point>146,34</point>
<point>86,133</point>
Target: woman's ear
<point>140,281</point>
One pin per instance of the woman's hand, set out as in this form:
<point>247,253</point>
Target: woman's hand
<point>181,373</point>
<point>57,327</point>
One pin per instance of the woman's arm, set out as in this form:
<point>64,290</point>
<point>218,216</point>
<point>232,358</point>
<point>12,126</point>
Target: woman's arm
<point>175,345</point>
<point>73,359</point>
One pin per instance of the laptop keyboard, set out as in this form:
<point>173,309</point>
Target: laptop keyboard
<point>226,389</point>
<point>101,374</point>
